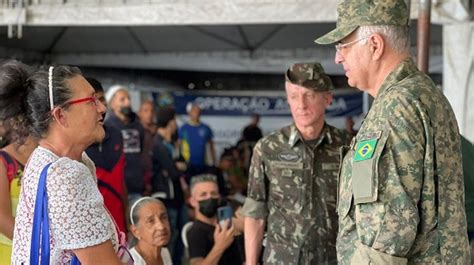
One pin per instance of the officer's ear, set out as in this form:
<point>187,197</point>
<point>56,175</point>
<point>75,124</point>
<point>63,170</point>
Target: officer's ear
<point>328,98</point>
<point>376,46</point>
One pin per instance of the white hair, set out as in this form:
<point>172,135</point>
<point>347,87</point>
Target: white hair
<point>50,87</point>
<point>137,205</point>
<point>398,37</point>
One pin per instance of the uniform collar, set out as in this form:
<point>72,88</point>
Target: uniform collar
<point>406,68</point>
<point>294,135</point>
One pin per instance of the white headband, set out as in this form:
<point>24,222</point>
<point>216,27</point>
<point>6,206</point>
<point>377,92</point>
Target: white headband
<point>135,205</point>
<point>50,86</point>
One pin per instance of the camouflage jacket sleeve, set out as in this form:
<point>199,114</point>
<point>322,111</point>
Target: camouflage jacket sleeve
<point>388,223</point>
<point>256,202</point>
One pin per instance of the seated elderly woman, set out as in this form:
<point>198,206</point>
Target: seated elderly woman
<point>151,228</point>
<point>59,107</point>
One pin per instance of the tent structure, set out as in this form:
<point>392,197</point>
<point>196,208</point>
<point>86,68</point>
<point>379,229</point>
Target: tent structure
<point>225,36</point>
<point>248,36</point>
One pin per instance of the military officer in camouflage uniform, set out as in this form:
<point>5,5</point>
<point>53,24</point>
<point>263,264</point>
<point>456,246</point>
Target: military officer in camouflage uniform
<point>401,192</point>
<point>293,178</point>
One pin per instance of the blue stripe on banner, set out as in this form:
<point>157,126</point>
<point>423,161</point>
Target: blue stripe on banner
<point>349,104</point>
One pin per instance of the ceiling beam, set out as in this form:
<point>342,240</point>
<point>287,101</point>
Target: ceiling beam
<point>272,33</point>
<point>205,12</point>
<point>54,42</point>
<point>217,37</point>
<point>137,40</point>
<point>243,35</point>
<point>238,61</point>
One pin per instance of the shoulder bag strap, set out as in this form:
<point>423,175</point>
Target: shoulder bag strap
<point>40,224</point>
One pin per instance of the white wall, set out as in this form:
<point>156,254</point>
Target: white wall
<point>458,73</point>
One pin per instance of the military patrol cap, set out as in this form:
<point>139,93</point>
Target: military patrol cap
<point>309,75</point>
<point>355,13</point>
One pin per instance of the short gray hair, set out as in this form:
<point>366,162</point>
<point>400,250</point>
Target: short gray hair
<point>202,178</point>
<point>398,37</point>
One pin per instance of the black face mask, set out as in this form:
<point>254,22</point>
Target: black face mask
<point>209,207</point>
<point>127,111</point>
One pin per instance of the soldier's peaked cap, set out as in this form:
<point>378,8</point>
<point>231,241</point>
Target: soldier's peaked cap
<point>355,13</point>
<point>309,75</point>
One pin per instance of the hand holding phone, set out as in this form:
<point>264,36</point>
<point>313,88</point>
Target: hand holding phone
<point>225,213</point>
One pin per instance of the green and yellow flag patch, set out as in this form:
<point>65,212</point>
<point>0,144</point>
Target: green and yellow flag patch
<point>365,150</point>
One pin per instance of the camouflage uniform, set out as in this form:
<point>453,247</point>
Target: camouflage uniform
<point>401,192</point>
<point>401,185</point>
<point>293,186</point>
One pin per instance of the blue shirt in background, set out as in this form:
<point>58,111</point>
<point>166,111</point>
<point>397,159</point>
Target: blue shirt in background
<point>193,142</point>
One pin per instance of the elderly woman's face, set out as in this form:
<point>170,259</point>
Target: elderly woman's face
<point>84,112</point>
<point>153,227</point>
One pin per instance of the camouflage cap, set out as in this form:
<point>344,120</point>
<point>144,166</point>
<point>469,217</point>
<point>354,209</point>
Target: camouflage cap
<point>309,75</point>
<point>355,13</point>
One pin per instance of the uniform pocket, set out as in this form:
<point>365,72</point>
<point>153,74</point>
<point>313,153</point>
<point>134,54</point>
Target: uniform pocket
<point>287,188</point>
<point>369,148</point>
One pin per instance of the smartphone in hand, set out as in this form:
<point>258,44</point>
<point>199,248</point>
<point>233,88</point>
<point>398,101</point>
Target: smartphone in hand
<point>225,213</point>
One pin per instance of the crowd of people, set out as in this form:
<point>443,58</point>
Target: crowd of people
<point>101,161</point>
<point>89,181</point>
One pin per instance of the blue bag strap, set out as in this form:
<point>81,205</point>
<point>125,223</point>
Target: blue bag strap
<point>45,250</point>
<point>40,223</point>
<point>75,261</point>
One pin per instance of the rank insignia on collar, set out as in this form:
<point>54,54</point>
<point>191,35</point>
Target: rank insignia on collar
<point>365,149</point>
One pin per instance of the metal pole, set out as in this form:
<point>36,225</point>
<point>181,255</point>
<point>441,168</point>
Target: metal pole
<point>19,26</point>
<point>423,35</point>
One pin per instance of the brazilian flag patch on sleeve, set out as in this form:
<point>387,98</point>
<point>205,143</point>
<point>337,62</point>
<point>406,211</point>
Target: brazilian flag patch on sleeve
<point>365,149</point>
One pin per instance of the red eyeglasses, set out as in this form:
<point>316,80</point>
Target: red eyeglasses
<point>92,99</point>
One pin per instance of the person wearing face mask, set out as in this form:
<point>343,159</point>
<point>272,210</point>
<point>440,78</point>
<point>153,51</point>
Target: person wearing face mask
<point>121,116</point>
<point>209,242</point>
